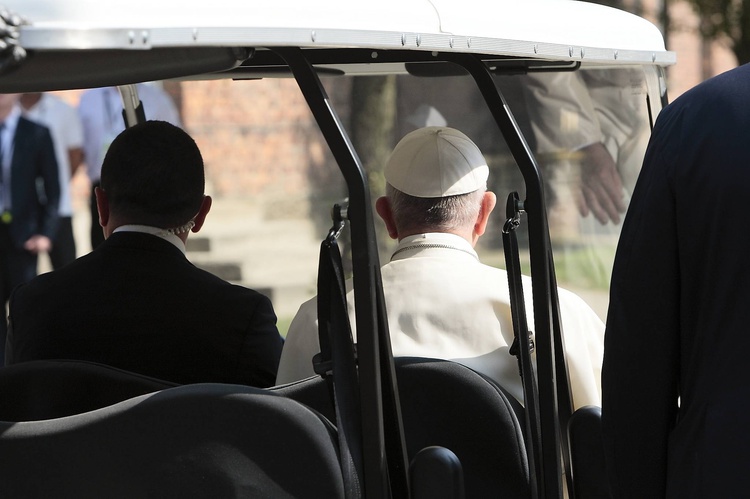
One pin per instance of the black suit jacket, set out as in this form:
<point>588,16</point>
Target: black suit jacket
<point>138,304</point>
<point>676,380</point>
<point>34,212</point>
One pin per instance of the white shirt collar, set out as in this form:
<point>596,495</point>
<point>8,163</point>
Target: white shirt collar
<point>156,231</point>
<point>8,133</point>
<point>436,240</point>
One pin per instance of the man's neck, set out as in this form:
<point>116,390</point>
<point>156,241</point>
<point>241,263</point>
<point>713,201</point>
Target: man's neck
<point>468,235</point>
<point>177,240</point>
<point>4,113</point>
<point>28,101</point>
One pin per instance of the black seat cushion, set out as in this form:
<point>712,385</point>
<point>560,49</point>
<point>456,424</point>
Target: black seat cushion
<point>47,389</point>
<point>449,405</point>
<point>587,453</point>
<point>192,441</point>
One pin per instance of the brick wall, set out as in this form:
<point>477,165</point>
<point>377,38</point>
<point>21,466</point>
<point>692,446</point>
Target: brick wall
<point>258,139</point>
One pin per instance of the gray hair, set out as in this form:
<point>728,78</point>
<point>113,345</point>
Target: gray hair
<point>413,214</point>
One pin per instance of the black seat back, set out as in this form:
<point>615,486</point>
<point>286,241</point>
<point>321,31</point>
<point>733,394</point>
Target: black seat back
<point>47,389</point>
<point>193,441</point>
<point>587,454</point>
<point>313,392</point>
<point>448,405</point>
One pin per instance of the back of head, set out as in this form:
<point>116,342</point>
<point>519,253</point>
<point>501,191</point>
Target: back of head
<point>153,175</point>
<point>436,177</point>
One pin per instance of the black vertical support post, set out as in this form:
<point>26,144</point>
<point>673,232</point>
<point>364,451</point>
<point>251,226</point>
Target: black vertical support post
<point>548,466</point>
<point>564,395</point>
<point>380,481</point>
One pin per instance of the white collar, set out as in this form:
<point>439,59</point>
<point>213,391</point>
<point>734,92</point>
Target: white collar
<point>156,231</point>
<point>8,135</point>
<point>433,240</point>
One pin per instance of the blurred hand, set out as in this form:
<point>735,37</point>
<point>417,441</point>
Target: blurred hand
<point>601,186</point>
<point>38,244</point>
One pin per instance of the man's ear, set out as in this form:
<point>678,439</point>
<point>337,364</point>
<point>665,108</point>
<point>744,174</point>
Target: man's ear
<point>200,218</point>
<point>489,200</point>
<point>102,205</point>
<point>383,207</point>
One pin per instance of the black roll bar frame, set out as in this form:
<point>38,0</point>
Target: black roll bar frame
<point>385,471</point>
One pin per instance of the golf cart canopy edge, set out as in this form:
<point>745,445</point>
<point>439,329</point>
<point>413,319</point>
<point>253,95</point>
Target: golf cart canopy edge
<point>85,43</point>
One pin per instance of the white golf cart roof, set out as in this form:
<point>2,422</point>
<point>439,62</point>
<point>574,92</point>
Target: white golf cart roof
<point>539,30</point>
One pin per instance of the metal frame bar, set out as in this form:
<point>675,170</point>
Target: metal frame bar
<point>132,108</point>
<point>385,470</point>
<point>385,474</point>
<point>547,462</point>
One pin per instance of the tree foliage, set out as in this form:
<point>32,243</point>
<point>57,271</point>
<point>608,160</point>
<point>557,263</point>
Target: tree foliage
<point>726,20</point>
<point>372,123</point>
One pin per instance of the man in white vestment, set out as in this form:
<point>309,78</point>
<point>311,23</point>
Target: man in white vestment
<point>442,302</point>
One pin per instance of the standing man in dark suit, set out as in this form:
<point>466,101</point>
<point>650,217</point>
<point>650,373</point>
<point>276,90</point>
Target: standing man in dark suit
<point>136,302</point>
<point>29,195</point>
<point>675,381</point>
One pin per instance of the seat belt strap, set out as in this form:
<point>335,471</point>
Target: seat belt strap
<point>522,346</point>
<point>518,312</point>
<point>336,361</point>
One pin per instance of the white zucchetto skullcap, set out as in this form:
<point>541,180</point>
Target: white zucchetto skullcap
<point>435,162</point>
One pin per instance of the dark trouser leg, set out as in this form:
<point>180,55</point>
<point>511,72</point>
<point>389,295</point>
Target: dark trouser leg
<point>97,235</point>
<point>5,245</point>
<point>64,245</point>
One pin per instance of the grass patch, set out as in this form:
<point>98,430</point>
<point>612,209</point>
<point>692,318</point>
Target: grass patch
<point>282,324</point>
<point>575,266</point>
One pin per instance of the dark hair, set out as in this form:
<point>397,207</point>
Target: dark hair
<point>433,214</point>
<point>153,175</point>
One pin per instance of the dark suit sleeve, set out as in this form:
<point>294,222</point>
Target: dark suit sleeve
<point>8,349</point>
<point>261,348</point>
<point>14,341</point>
<point>641,347</point>
<point>48,171</point>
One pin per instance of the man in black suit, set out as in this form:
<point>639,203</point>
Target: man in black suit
<point>29,193</point>
<point>676,382</point>
<point>136,302</point>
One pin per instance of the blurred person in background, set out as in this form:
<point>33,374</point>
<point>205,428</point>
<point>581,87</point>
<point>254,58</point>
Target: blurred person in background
<point>67,137</point>
<point>29,197</point>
